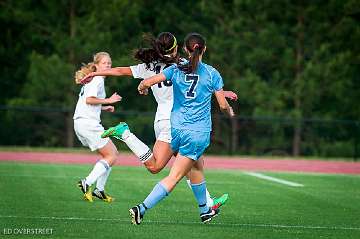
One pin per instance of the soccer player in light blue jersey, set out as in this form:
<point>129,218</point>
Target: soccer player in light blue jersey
<point>194,82</point>
<point>163,52</point>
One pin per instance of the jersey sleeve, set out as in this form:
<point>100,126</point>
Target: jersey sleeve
<point>91,89</point>
<point>169,72</point>
<point>217,81</point>
<point>138,71</point>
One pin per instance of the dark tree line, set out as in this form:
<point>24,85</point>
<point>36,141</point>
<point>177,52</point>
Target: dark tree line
<point>285,59</point>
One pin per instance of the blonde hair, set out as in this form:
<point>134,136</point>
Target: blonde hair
<point>98,56</point>
<point>90,67</point>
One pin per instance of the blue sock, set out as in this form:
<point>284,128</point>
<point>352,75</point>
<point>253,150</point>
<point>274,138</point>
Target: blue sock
<point>199,191</point>
<point>158,193</point>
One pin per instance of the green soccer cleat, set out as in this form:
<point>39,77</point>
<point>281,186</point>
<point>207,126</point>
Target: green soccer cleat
<point>116,131</point>
<point>218,202</point>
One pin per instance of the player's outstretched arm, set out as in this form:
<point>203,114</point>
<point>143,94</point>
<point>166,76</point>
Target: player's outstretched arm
<point>148,82</point>
<point>116,71</point>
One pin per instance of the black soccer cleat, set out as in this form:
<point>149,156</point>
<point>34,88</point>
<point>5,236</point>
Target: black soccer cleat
<point>83,186</point>
<point>135,214</point>
<point>102,195</point>
<point>209,215</point>
<point>86,189</point>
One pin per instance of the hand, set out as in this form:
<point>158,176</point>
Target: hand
<point>143,90</point>
<point>231,95</point>
<point>231,112</point>
<point>114,98</point>
<point>108,108</point>
<point>86,79</point>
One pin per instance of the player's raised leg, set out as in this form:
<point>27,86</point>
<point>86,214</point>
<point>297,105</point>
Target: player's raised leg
<point>122,132</point>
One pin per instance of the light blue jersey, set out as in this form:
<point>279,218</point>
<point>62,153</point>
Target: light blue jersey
<point>192,96</point>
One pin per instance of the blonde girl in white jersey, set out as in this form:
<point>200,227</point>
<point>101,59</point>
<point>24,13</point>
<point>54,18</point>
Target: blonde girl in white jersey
<point>88,129</point>
<point>161,54</point>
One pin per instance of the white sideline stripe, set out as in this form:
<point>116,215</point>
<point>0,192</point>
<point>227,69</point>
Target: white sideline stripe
<point>112,179</point>
<point>262,176</point>
<point>189,223</point>
<point>65,176</point>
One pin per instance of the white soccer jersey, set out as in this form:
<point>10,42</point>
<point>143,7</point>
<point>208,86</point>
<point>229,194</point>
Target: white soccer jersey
<point>95,88</point>
<point>163,92</point>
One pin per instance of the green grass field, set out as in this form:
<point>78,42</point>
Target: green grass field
<point>46,196</point>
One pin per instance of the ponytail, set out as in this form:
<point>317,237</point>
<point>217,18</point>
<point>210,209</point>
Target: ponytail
<point>90,65</point>
<point>195,45</point>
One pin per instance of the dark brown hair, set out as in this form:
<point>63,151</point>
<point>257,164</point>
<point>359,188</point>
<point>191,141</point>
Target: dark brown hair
<point>195,44</point>
<point>160,49</point>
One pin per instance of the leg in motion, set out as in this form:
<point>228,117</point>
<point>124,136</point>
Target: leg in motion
<point>198,186</point>
<point>162,189</point>
<point>162,153</point>
<point>99,191</point>
<point>109,154</point>
<point>210,201</point>
<point>123,133</point>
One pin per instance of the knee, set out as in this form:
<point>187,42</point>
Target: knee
<point>153,166</point>
<point>111,158</point>
<point>153,169</point>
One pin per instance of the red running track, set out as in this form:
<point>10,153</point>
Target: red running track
<point>214,162</point>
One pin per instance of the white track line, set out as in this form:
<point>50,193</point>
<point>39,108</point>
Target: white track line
<point>262,176</point>
<point>122,179</point>
<point>189,223</point>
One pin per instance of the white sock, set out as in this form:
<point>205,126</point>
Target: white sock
<point>100,167</point>
<point>141,150</point>
<point>189,183</point>
<point>209,200</point>
<point>101,181</point>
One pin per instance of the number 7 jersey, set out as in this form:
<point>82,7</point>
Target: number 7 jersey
<point>163,92</point>
<point>192,96</point>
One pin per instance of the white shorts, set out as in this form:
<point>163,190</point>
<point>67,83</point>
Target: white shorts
<point>89,133</point>
<point>162,130</point>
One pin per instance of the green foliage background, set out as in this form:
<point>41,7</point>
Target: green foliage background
<point>286,59</point>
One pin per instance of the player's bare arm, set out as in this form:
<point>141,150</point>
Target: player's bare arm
<point>108,108</point>
<point>116,71</point>
<point>223,104</point>
<point>111,100</point>
<point>147,83</point>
